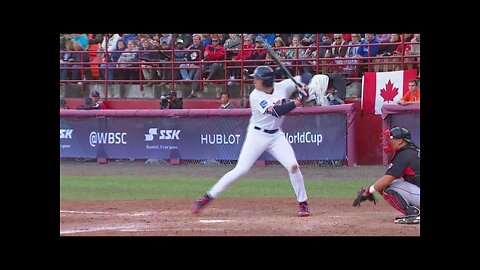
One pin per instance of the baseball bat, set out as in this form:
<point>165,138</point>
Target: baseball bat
<point>282,66</point>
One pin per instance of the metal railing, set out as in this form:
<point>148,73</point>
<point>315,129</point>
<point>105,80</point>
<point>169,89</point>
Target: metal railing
<point>319,64</point>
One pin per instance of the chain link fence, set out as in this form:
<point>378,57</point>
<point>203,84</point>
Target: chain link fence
<point>210,162</point>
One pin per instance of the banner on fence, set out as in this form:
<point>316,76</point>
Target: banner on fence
<point>313,137</point>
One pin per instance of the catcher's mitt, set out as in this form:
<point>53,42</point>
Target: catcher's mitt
<point>363,195</point>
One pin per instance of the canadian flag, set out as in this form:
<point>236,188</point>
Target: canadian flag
<point>384,87</point>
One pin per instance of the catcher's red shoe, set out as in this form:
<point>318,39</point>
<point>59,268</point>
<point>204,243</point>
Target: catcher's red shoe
<point>200,203</point>
<point>303,210</point>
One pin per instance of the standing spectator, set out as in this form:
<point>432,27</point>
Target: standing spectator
<point>413,94</point>
<point>225,98</point>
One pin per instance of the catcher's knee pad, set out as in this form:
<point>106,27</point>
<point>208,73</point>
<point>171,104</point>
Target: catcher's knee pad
<point>398,202</point>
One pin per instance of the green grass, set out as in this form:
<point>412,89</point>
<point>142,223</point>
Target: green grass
<point>149,187</point>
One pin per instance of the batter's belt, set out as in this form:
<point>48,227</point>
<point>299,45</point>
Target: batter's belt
<point>266,130</point>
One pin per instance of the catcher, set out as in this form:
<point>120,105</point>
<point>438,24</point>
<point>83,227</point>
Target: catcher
<point>400,186</point>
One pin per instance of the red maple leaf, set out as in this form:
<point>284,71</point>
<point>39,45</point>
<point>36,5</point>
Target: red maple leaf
<point>389,92</point>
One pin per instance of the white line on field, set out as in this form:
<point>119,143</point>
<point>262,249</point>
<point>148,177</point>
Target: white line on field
<point>213,220</point>
<point>98,229</point>
<point>146,213</point>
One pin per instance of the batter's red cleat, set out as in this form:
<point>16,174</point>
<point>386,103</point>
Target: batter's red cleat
<point>200,203</point>
<point>303,210</point>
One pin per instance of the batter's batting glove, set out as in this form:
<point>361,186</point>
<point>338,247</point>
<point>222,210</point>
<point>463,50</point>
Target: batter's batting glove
<point>363,195</point>
<point>302,93</point>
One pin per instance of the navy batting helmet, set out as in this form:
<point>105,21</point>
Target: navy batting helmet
<point>400,133</point>
<point>265,74</point>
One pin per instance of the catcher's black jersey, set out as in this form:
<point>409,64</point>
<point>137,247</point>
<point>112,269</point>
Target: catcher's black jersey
<point>406,163</point>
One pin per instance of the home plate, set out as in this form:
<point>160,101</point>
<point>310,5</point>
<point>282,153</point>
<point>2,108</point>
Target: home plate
<point>213,220</point>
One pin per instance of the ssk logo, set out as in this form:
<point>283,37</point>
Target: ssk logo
<point>66,133</point>
<point>165,134</point>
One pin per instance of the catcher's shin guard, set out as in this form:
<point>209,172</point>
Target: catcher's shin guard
<point>398,202</point>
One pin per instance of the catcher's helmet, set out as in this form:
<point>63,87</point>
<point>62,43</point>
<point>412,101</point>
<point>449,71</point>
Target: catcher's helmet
<point>400,133</point>
<point>265,74</point>
<point>394,133</point>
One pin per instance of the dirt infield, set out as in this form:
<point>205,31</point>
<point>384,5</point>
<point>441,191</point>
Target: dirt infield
<point>227,217</point>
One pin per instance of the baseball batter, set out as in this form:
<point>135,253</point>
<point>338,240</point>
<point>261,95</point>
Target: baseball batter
<point>400,186</point>
<point>269,102</point>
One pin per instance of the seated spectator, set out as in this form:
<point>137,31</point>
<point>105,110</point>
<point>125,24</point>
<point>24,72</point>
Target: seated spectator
<point>88,105</point>
<point>80,70</point>
<point>110,62</point>
<point>125,61</point>
<point>195,53</point>
<point>413,94</point>
<point>225,98</point>
<point>369,51</point>
<point>97,103</point>
<point>260,53</point>
<point>235,73</point>
<point>293,53</point>
<point>413,49</point>
<point>232,45</point>
<point>338,51</point>
<point>331,98</point>
<point>351,64</point>
<point>63,104</point>
<point>393,48</point>
<point>322,91</point>
<point>280,51</point>
<point>212,52</point>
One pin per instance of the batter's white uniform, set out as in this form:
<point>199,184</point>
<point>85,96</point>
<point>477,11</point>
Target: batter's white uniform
<point>257,140</point>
